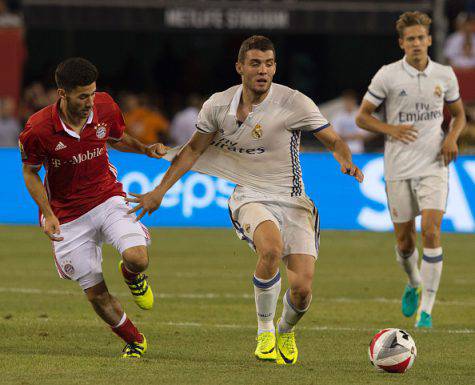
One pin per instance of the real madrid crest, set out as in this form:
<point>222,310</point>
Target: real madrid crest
<point>257,132</point>
<point>101,130</point>
<point>438,91</point>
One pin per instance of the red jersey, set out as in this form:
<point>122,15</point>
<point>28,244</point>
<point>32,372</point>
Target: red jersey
<point>79,175</point>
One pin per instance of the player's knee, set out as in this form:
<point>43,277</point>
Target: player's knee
<point>271,254</point>
<point>136,259</point>
<point>406,244</point>
<point>430,234</point>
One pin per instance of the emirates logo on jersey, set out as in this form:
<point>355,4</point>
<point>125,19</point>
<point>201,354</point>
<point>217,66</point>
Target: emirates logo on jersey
<point>101,130</point>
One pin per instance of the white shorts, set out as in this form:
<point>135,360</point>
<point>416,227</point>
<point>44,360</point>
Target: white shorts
<point>79,256</point>
<point>407,198</point>
<point>296,217</point>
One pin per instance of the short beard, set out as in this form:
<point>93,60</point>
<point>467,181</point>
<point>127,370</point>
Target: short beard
<point>260,92</point>
<point>75,113</point>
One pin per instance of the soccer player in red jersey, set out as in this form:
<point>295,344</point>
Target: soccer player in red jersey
<point>81,201</point>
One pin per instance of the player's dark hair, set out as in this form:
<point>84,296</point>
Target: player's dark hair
<point>261,43</point>
<point>409,19</point>
<point>75,72</point>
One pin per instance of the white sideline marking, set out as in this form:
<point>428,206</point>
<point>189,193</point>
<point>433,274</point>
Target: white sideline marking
<point>226,296</point>
<point>245,327</point>
<point>313,328</point>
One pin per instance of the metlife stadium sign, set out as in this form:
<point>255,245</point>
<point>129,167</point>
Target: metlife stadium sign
<point>200,200</point>
<point>296,16</point>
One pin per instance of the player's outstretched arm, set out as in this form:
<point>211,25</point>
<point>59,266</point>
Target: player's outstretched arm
<point>181,164</point>
<point>406,133</point>
<point>333,142</point>
<point>129,144</point>
<point>38,193</point>
<point>449,148</point>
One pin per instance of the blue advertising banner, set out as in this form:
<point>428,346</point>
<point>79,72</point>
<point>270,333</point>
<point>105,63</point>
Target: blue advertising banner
<point>200,200</point>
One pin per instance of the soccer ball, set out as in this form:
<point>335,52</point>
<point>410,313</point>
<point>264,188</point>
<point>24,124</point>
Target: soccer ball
<point>392,350</point>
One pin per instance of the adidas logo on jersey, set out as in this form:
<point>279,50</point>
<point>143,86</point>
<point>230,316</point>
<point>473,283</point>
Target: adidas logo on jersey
<point>60,146</point>
<point>403,93</point>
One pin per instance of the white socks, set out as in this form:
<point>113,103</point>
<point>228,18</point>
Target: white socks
<point>431,270</point>
<point>266,293</point>
<point>409,264</point>
<point>290,314</point>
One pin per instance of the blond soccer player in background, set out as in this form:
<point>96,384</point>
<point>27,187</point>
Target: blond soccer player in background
<point>417,153</point>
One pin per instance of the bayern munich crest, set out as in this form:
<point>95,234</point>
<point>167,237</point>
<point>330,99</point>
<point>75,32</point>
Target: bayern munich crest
<point>101,130</point>
<point>69,269</point>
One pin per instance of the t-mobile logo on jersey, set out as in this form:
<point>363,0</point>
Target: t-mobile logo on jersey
<point>88,155</point>
<point>79,158</point>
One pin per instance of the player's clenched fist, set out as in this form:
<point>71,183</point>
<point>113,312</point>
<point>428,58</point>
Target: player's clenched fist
<point>148,203</point>
<point>51,228</point>
<point>449,149</point>
<point>353,170</point>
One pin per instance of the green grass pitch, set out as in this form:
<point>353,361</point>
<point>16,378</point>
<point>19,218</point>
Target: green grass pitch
<point>202,328</point>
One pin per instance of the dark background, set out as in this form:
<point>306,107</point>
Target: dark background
<point>135,52</point>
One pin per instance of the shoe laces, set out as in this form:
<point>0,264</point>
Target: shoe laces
<point>133,348</point>
<point>287,340</point>
<point>138,282</point>
<point>139,285</point>
<point>265,339</point>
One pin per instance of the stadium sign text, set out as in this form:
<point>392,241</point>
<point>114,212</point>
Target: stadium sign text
<point>226,18</point>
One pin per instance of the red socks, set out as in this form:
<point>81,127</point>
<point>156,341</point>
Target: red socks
<point>128,332</point>
<point>128,275</point>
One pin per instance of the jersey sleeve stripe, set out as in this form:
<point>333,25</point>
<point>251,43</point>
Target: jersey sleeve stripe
<point>320,128</point>
<point>452,101</point>
<point>202,130</point>
<point>376,96</point>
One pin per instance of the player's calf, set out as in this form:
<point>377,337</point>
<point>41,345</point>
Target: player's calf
<point>110,310</point>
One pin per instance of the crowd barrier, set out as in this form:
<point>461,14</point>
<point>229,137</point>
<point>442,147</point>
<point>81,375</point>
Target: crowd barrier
<point>199,200</point>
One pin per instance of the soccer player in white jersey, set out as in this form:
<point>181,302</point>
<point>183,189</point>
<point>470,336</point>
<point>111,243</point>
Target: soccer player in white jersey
<point>414,91</point>
<point>250,135</point>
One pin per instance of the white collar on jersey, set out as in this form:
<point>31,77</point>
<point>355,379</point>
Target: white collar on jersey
<point>414,71</point>
<point>73,133</point>
<point>256,107</point>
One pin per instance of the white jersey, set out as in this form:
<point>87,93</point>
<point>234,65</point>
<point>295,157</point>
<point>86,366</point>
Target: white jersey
<point>344,124</point>
<point>261,153</point>
<point>414,97</point>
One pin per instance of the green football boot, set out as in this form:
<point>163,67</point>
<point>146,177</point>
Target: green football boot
<point>424,321</point>
<point>410,300</point>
